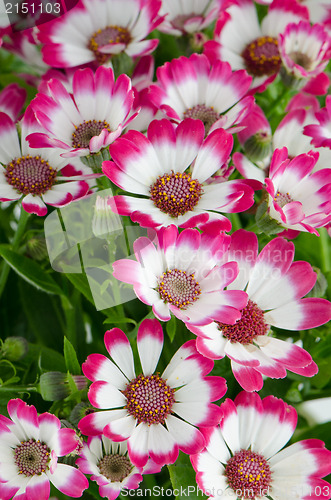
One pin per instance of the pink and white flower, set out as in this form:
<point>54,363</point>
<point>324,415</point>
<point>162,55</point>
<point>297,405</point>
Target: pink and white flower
<point>156,414</point>
<point>189,16</point>
<point>109,465</point>
<point>97,30</point>
<point>305,51</point>
<point>87,120</point>
<point>183,276</point>
<point>41,177</point>
<point>172,170</point>
<point>193,88</point>
<point>256,138</point>
<point>298,198</point>
<point>244,458</point>
<point>319,10</point>
<point>241,40</point>
<point>274,285</point>
<point>30,447</point>
<point>321,132</point>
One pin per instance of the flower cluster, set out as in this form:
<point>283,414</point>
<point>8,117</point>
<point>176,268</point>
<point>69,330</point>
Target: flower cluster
<point>182,151</point>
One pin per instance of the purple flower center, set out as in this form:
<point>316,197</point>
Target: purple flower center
<point>115,467</point>
<point>282,199</point>
<point>178,288</point>
<point>149,399</point>
<point>106,36</point>
<point>248,474</point>
<point>30,174</point>
<point>262,56</point>
<point>86,130</point>
<point>204,113</point>
<point>32,457</point>
<point>175,193</point>
<point>250,325</point>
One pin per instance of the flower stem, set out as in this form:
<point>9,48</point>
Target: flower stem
<point>15,245</point>
<point>325,250</point>
<point>18,388</point>
<point>278,101</point>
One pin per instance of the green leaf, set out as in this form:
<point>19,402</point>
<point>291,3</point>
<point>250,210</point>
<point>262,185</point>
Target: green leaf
<point>118,320</point>
<point>30,271</point>
<point>42,314</point>
<point>50,360</point>
<point>171,328</point>
<point>183,481</point>
<point>70,358</point>
<point>81,283</point>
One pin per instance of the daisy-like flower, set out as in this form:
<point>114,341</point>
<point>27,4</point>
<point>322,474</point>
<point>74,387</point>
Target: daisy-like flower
<point>245,44</point>
<point>189,16</point>
<point>297,198</point>
<point>172,169</point>
<point>321,132</point>
<point>182,276</point>
<point>258,142</point>
<point>96,30</point>
<point>30,447</point>
<point>111,468</point>
<point>319,10</point>
<point>87,120</point>
<point>274,285</point>
<point>244,458</point>
<point>305,51</point>
<point>193,88</point>
<point>157,414</point>
<point>41,177</point>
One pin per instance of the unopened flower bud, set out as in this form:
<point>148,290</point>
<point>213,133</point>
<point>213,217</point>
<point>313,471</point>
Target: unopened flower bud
<point>80,411</point>
<point>198,40</point>
<point>258,146</point>
<point>14,348</point>
<point>54,386</point>
<point>36,248</point>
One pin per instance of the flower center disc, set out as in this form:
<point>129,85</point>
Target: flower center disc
<point>248,474</point>
<point>32,457</point>
<point>178,288</point>
<point>204,113</point>
<point>175,193</point>
<point>250,325</point>
<point>282,199</point>
<point>86,130</point>
<point>106,36</point>
<point>262,56</point>
<point>302,60</point>
<point>149,399</point>
<point>115,467</point>
<point>30,174</point>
